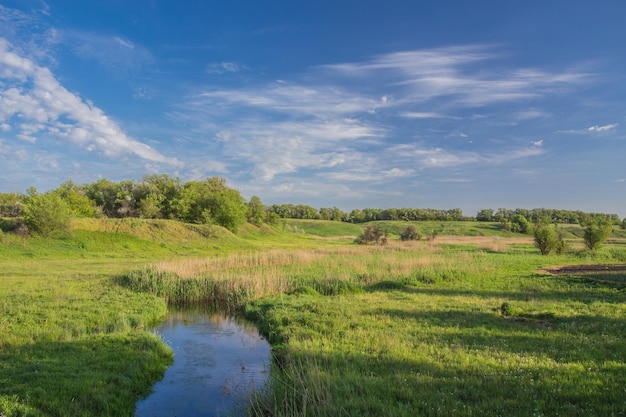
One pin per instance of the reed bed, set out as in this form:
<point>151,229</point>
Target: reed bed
<point>229,282</point>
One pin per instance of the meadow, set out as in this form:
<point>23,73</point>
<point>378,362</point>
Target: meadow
<point>467,323</point>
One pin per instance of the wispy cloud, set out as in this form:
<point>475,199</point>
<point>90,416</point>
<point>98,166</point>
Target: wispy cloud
<point>454,73</point>
<point>37,103</point>
<point>114,52</point>
<point>426,115</point>
<point>591,129</point>
<point>224,67</point>
<point>329,124</point>
<point>429,157</point>
<point>604,128</point>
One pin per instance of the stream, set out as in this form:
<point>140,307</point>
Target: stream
<point>217,360</point>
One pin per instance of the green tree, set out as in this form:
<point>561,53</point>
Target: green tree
<point>596,232</point>
<point>230,210</point>
<point>46,213</point>
<point>76,199</point>
<point>546,237</point>
<point>519,224</point>
<point>211,201</point>
<point>256,211</point>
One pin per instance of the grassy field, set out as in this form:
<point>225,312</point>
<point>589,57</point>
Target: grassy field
<point>465,324</point>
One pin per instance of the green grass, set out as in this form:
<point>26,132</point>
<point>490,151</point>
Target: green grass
<point>453,326</point>
<point>444,347</point>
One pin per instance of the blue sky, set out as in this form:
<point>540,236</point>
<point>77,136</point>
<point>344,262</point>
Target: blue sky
<point>354,104</point>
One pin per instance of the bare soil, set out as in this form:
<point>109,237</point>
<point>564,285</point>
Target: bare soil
<point>576,269</point>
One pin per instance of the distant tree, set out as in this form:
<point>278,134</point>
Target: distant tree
<point>371,234</point>
<point>256,211</point>
<point>623,224</point>
<point>76,199</point>
<point>46,213</point>
<point>356,216</point>
<point>596,232</point>
<point>230,209</point>
<point>545,235</point>
<point>485,215</point>
<point>211,201</point>
<point>162,193</point>
<point>519,224</point>
<point>410,233</point>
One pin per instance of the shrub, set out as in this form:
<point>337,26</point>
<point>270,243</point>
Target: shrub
<point>371,234</point>
<point>546,237</point>
<point>410,233</point>
<point>595,233</point>
<point>46,213</point>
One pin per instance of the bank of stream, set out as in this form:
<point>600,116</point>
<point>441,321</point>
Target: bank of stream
<point>217,360</point>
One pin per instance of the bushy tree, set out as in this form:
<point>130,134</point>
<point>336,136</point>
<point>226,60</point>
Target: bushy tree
<point>521,225</point>
<point>76,199</point>
<point>256,211</point>
<point>596,232</point>
<point>410,233</point>
<point>211,201</point>
<point>547,238</point>
<point>371,234</point>
<point>46,213</point>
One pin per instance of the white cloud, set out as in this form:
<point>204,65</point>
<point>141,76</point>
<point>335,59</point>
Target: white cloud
<point>450,73</point>
<point>425,115</point>
<point>334,123</point>
<point>43,105</point>
<point>602,128</point>
<point>224,67</point>
<point>426,157</point>
<point>398,173</point>
<point>125,43</point>
<point>591,129</point>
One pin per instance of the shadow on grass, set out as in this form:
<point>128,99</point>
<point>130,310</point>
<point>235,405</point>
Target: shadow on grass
<point>587,292</point>
<point>378,385</point>
<point>551,336</point>
<point>102,375</point>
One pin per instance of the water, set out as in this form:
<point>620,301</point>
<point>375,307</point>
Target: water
<point>216,361</point>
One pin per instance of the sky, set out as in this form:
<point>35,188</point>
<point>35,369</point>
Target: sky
<point>354,104</point>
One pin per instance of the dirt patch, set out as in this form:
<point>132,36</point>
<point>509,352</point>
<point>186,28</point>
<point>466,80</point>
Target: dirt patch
<point>578,269</point>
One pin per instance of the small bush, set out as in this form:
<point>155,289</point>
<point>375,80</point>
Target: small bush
<point>596,233</point>
<point>410,233</point>
<point>371,234</point>
<point>546,238</point>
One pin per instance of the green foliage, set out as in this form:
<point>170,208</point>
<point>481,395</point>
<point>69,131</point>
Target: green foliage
<point>76,199</point>
<point>46,213</point>
<point>546,237</point>
<point>256,211</point>
<point>596,232</point>
<point>211,201</point>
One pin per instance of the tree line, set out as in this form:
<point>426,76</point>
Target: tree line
<point>158,196</point>
<point>211,201</point>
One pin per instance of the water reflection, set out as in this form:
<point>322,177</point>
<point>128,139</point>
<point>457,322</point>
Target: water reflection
<point>216,360</point>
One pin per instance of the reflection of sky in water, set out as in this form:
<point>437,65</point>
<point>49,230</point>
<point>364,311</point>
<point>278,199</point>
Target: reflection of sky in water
<point>215,360</point>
